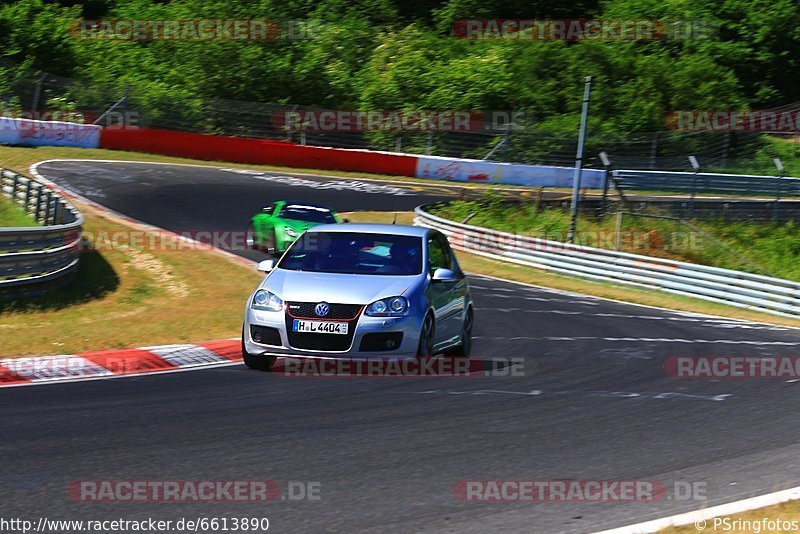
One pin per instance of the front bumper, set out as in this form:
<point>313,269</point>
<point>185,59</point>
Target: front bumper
<point>408,326</point>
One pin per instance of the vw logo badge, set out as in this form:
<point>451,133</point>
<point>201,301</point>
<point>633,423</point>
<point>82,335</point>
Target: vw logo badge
<point>322,309</point>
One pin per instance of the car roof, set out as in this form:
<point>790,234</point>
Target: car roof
<point>370,228</point>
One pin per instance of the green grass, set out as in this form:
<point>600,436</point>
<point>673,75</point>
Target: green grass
<point>12,215</point>
<point>130,292</point>
<point>760,247</point>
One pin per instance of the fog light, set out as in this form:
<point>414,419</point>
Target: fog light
<point>257,336</point>
<point>390,344</point>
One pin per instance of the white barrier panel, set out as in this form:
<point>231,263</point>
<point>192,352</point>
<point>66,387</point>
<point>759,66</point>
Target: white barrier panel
<point>29,132</point>
<point>474,170</point>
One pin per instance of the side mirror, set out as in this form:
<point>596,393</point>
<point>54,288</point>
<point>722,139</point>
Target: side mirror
<point>444,275</point>
<point>266,266</point>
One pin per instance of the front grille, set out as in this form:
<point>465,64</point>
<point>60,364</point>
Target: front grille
<point>380,341</point>
<point>338,312</point>
<point>265,335</point>
<point>322,342</point>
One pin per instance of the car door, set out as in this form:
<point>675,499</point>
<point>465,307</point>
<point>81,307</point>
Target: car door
<point>447,298</point>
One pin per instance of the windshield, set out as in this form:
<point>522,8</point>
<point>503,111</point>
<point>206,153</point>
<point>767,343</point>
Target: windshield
<point>355,253</point>
<point>301,212</point>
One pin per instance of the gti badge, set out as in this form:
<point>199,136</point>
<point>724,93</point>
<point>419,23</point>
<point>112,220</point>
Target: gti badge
<point>322,309</point>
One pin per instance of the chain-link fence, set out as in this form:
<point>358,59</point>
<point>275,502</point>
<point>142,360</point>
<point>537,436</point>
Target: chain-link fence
<point>521,142</point>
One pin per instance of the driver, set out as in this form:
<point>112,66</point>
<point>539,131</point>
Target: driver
<point>403,258</point>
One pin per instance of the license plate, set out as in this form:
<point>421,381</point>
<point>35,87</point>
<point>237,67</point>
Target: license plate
<point>319,327</point>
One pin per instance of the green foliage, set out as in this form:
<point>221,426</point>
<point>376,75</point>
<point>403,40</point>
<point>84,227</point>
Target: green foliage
<point>392,54</point>
<point>38,33</point>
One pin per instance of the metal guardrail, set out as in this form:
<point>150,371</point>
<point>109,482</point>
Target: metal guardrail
<point>700,183</point>
<point>36,258</point>
<point>735,288</point>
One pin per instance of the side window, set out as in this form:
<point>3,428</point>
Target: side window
<point>448,252</point>
<point>439,256</point>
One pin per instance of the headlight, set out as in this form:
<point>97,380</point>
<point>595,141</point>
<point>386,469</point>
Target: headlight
<point>264,300</point>
<point>290,231</point>
<point>388,307</point>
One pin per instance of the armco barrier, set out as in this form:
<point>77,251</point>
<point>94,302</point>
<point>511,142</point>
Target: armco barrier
<point>247,150</point>
<point>473,170</point>
<point>735,288</point>
<point>30,132</point>
<point>35,258</point>
<point>687,182</point>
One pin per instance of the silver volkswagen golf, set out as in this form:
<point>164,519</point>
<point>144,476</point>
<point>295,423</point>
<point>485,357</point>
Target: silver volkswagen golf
<point>348,290</point>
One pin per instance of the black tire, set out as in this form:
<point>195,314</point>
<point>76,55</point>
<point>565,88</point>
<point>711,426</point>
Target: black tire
<point>260,363</point>
<point>426,337</point>
<point>464,348</point>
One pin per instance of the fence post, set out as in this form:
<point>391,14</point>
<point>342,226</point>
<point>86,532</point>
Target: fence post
<point>654,151</point>
<point>538,200</point>
<point>38,202</point>
<point>37,92</point>
<point>57,211</point>
<point>507,144</point>
<point>618,230</point>
<point>778,184</point>
<point>14,188</point>
<point>696,166</point>
<point>726,148</point>
<point>28,196</point>
<point>604,198</point>
<point>48,201</point>
<point>606,167</point>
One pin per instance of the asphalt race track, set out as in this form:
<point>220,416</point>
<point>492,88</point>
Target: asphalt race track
<point>594,403</point>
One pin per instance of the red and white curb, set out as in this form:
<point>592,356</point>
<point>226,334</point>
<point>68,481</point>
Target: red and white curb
<point>107,364</point>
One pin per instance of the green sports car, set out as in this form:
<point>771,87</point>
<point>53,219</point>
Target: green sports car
<point>278,225</point>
